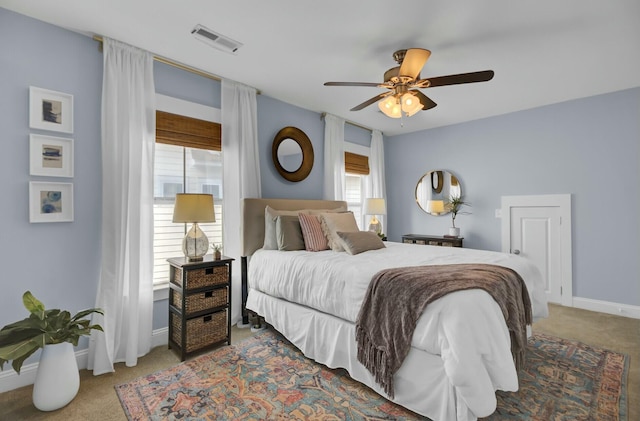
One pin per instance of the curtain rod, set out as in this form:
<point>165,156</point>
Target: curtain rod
<point>175,64</point>
<point>350,123</point>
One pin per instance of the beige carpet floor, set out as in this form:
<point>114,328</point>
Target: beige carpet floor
<point>97,398</point>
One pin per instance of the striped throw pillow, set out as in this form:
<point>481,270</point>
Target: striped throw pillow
<point>314,239</point>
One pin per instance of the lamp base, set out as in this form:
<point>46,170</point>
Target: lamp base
<point>375,225</point>
<point>195,244</point>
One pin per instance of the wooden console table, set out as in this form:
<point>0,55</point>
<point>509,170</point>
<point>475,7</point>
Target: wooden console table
<point>432,240</point>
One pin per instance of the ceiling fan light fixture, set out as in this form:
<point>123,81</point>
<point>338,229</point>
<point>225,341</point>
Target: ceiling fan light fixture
<point>410,104</point>
<point>390,106</point>
<point>404,83</point>
<point>393,107</point>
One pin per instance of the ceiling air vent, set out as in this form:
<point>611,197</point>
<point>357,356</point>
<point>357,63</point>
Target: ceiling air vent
<point>215,39</point>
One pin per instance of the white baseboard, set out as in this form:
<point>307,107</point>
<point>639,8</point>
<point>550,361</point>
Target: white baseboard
<point>10,380</point>
<point>608,307</point>
<point>160,337</point>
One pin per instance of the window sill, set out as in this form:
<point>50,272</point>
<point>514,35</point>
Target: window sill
<point>161,292</point>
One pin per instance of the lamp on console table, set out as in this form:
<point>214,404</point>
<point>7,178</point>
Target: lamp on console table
<point>194,208</point>
<point>375,206</point>
<point>435,207</point>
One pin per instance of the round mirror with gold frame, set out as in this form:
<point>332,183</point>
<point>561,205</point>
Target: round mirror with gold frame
<point>435,189</point>
<point>292,154</point>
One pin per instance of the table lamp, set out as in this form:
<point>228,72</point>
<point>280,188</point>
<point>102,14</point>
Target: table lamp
<point>375,207</point>
<point>194,208</point>
<point>435,207</point>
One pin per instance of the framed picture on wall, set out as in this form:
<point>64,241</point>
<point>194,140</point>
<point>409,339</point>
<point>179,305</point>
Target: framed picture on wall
<point>50,202</point>
<point>50,156</point>
<point>50,110</point>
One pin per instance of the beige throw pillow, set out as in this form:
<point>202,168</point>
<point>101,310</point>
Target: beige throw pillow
<point>357,242</point>
<point>334,222</point>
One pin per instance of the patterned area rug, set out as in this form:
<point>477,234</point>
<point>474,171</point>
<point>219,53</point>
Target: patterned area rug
<point>567,380</point>
<point>267,378</point>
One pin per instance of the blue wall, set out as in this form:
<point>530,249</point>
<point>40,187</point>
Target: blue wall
<point>58,262</point>
<point>273,115</point>
<point>588,148</point>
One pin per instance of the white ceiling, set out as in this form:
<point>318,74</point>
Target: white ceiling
<point>542,52</point>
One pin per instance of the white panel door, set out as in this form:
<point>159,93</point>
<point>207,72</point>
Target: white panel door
<point>539,228</point>
<point>535,234</point>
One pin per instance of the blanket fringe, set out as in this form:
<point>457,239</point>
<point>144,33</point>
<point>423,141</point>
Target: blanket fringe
<point>375,360</point>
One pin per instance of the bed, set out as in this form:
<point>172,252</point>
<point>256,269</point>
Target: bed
<point>460,351</point>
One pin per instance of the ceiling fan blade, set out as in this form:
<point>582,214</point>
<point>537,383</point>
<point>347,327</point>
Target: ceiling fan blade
<point>458,79</point>
<point>414,60</point>
<point>352,84</point>
<point>427,103</point>
<point>371,101</point>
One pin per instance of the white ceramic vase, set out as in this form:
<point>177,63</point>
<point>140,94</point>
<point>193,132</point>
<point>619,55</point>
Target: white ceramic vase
<point>57,380</point>
<point>454,231</point>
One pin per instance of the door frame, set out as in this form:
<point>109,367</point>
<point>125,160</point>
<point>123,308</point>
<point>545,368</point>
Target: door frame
<point>562,201</point>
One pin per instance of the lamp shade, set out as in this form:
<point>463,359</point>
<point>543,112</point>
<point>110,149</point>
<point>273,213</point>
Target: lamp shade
<point>435,206</point>
<point>194,207</point>
<point>410,104</point>
<point>375,206</point>
<point>393,105</point>
<point>390,106</point>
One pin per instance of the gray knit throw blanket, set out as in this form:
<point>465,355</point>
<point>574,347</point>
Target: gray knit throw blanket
<point>397,297</point>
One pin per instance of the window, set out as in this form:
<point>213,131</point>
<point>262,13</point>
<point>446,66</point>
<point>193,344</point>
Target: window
<point>356,168</point>
<point>178,168</point>
<point>353,196</point>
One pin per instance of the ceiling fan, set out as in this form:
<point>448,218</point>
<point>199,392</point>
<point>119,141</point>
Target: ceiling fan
<point>403,83</point>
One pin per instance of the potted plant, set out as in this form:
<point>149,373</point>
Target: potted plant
<point>56,332</point>
<point>217,253</point>
<point>454,205</point>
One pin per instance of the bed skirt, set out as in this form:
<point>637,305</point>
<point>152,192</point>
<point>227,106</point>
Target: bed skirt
<point>421,382</point>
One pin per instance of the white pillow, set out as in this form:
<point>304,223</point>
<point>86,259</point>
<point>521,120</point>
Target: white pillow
<point>332,223</point>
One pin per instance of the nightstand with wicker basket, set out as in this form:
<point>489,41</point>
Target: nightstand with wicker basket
<point>199,304</point>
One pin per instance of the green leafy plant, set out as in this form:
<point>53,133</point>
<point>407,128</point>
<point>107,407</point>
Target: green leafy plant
<point>216,247</point>
<point>454,206</point>
<point>43,327</point>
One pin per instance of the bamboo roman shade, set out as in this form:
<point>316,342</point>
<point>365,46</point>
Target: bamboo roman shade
<point>189,132</point>
<point>356,164</point>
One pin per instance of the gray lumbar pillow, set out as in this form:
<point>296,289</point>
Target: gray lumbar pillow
<point>357,242</point>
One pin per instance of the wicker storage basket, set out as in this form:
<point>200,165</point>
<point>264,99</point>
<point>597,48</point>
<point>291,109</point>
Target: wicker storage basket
<point>199,301</point>
<point>200,278</point>
<point>201,331</point>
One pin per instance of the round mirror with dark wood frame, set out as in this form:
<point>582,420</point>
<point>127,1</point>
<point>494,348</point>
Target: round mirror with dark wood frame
<point>283,149</point>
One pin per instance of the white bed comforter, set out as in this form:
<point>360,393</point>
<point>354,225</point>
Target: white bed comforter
<point>465,328</point>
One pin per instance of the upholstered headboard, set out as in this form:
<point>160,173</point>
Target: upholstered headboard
<point>252,230</point>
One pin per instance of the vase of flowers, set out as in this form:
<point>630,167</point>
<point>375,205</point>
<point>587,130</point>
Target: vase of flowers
<point>454,206</point>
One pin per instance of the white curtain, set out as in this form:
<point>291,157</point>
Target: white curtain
<point>125,290</point>
<point>334,183</point>
<point>241,173</point>
<point>375,186</point>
